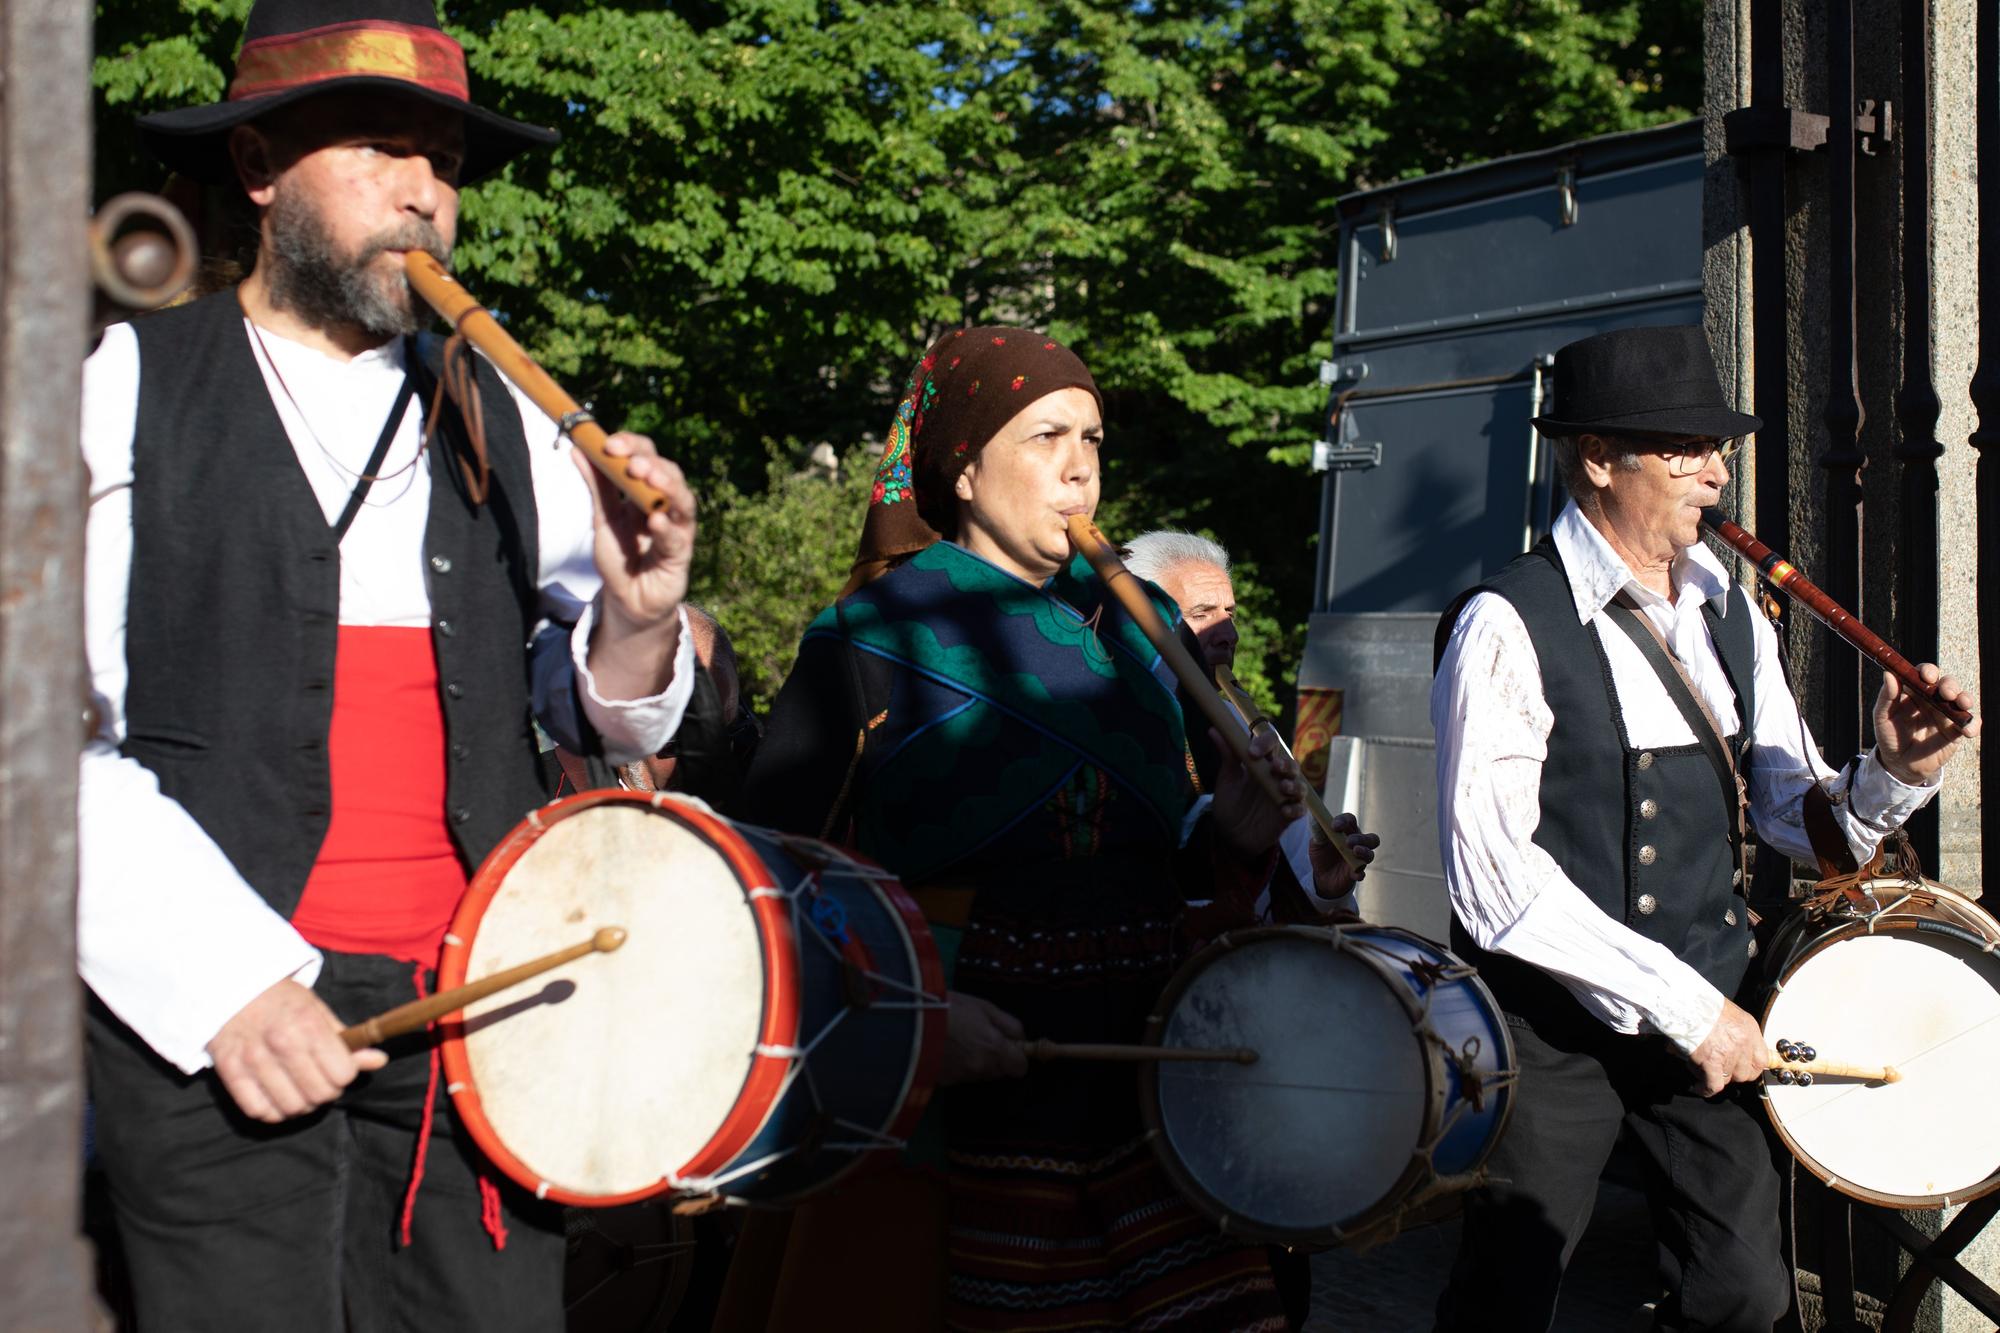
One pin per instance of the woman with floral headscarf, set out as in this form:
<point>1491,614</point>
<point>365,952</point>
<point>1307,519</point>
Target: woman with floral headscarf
<point>978,716</point>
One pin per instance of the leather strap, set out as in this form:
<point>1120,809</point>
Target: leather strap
<point>834,827</point>
<point>1653,646</point>
<point>366,480</point>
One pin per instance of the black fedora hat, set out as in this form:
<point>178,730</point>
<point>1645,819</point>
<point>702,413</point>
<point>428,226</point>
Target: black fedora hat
<point>1647,381</point>
<point>294,49</point>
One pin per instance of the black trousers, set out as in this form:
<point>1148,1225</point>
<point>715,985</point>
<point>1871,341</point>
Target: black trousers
<point>229,1224</point>
<point>1708,1178</point>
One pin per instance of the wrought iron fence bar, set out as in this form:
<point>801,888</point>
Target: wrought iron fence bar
<point>1770,319</point>
<point>1917,405</point>
<point>1840,729</point>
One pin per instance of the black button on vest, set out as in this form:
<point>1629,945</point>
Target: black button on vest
<point>1643,833</point>
<point>232,624</point>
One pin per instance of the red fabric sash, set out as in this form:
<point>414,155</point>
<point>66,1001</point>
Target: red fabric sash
<point>374,47</point>
<point>388,877</point>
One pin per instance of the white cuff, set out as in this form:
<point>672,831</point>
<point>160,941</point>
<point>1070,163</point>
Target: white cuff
<point>1875,788</point>
<point>1690,1023</point>
<point>633,728</point>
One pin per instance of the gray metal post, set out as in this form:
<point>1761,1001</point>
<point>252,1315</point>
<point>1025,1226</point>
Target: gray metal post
<point>44,203</point>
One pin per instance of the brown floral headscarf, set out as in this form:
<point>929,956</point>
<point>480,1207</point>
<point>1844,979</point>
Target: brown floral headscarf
<point>970,384</point>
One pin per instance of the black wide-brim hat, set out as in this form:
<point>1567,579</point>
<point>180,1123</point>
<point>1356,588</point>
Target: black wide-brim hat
<point>1659,380</point>
<point>295,49</point>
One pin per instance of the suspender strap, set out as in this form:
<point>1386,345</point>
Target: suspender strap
<point>1646,635</point>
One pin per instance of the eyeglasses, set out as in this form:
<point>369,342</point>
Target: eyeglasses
<point>1684,460</point>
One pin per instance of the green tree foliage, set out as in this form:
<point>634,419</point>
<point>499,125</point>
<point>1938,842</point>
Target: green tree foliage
<point>762,210</point>
<point>772,557</point>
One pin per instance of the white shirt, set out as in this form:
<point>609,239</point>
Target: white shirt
<point>1492,728</point>
<point>169,935</point>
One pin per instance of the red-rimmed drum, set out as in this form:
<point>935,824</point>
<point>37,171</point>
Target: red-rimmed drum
<point>1903,973</point>
<point>772,1019</point>
<point>1383,1078</point>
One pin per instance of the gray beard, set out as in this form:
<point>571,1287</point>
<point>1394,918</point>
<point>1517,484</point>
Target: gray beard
<point>306,276</point>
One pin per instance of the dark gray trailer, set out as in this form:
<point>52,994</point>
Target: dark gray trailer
<point>1455,292</point>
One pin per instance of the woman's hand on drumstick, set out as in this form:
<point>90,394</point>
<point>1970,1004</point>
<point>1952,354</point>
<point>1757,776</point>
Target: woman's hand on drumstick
<point>281,1055</point>
<point>1733,1052</point>
<point>1911,740</point>
<point>643,559</point>
<point>1245,817</point>
<point>1332,876</point>
<point>982,1041</point>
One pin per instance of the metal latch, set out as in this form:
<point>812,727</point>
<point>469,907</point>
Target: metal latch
<point>1356,456</point>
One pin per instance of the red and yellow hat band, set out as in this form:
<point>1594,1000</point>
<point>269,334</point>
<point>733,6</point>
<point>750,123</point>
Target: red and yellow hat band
<point>367,48</point>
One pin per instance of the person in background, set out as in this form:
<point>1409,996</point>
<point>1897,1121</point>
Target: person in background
<point>1311,881</point>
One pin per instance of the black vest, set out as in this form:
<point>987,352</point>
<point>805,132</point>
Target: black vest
<point>235,604</point>
<point>1644,833</point>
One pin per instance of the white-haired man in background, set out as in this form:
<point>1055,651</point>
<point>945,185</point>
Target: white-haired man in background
<point>1312,881</point>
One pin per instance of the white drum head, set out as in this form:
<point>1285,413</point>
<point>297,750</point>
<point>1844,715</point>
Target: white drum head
<point>1322,1128</point>
<point>1889,999</point>
<point>609,1089</point>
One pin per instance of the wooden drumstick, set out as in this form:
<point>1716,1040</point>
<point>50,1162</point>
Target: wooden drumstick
<point>1830,1069</point>
<point>417,1013</point>
<point>1044,1049</point>
<point>1122,584</point>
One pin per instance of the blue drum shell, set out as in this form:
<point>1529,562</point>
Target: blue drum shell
<point>859,1071</point>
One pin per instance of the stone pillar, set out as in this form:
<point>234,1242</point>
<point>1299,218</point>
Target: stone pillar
<point>45,1279</point>
<point>1954,169</point>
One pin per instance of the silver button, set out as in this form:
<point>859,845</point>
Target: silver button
<point>1729,917</point>
<point>1648,904</point>
<point>446,628</point>
<point>454,689</point>
<point>1648,808</point>
<point>1646,759</point>
<point>442,564</point>
<point>1648,854</point>
<point>1735,878</point>
<point>1753,946</point>
<point>461,815</point>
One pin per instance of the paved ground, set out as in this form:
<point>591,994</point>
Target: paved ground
<point>1393,1288</point>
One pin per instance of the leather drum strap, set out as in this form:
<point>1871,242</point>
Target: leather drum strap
<point>1646,635</point>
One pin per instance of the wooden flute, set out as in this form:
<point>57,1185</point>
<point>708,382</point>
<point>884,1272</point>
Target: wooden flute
<point>442,293</point>
<point>1782,574</point>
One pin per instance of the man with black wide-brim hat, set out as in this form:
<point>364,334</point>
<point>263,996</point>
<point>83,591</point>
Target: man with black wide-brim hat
<point>311,583</point>
<point>1608,708</point>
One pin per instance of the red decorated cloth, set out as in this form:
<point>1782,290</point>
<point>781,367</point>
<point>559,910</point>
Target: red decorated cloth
<point>388,877</point>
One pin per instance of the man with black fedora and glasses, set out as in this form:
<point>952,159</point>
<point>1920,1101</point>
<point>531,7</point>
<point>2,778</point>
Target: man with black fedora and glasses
<point>311,587</point>
<point>1610,718</point>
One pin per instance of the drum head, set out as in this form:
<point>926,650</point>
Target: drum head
<point>1928,1007</point>
<point>1323,1128</point>
<point>598,1081</point>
